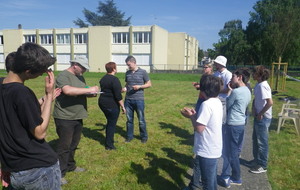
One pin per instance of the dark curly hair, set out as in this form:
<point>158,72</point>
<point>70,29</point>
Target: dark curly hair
<point>262,72</point>
<point>211,85</point>
<point>32,57</point>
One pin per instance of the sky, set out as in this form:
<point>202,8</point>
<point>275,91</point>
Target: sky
<point>202,19</point>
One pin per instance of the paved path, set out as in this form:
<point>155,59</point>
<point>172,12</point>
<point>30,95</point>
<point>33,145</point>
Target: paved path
<point>250,181</point>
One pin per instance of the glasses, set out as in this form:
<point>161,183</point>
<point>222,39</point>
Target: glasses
<point>205,67</point>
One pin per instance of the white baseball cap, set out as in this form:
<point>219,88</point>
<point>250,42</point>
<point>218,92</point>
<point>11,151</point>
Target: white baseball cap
<point>82,60</point>
<point>221,60</point>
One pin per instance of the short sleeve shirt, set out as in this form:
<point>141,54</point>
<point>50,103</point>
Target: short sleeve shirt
<point>208,143</point>
<point>20,113</point>
<point>262,92</point>
<point>70,107</point>
<point>226,76</point>
<point>139,77</point>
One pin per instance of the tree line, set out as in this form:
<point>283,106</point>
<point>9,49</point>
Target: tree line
<point>272,34</point>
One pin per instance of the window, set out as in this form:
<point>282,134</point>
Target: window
<point>63,58</point>
<point>119,59</point>
<point>63,38</point>
<point>2,58</point>
<point>30,38</point>
<point>121,38</point>
<point>142,37</point>
<point>1,40</point>
<point>46,39</point>
<point>143,59</point>
<point>80,38</point>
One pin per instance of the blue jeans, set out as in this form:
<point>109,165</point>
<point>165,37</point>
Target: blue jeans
<point>260,140</point>
<point>195,182</point>
<point>138,106</point>
<point>208,167</point>
<point>37,178</point>
<point>112,116</point>
<point>231,162</point>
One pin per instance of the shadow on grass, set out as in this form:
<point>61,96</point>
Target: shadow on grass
<point>192,105</point>
<point>274,124</point>
<point>187,138</point>
<point>99,133</point>
<point>152,177</point>
<point>121,131</point>
<point>178,157</point>
<point>95,134</point>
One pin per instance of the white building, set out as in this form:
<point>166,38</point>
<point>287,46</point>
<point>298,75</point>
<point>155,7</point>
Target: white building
<point>152,46</point>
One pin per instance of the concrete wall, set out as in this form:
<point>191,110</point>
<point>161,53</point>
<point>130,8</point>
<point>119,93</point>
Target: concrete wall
<point>165,51</point>
<point>99,48</point>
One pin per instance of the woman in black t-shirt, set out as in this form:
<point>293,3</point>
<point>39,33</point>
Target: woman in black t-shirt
<point>110,101</point>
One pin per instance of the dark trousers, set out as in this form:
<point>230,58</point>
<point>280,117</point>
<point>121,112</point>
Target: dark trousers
<point>112,116</point>
<point>69,133</point>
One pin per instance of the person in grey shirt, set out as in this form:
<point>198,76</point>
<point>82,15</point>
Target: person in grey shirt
<point>136,80</point>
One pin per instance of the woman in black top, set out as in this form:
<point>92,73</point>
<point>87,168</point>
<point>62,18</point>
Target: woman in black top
<point>110,101</point>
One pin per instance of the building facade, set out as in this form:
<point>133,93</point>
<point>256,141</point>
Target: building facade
<point>152,46</point>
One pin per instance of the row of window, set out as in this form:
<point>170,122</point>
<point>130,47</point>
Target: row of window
<point>138,37</point>
<point>118,38</point>
<point>60,38</point>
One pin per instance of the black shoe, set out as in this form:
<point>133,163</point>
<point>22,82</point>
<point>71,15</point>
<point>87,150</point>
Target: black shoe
<point>128,140</point>
<point>144,140</point>
<point>110,148</point>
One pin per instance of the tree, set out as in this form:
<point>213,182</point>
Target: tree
<point>107,14</point>
<point>200,54</point>
<point>233,44</point>
<point>211,53</point>
<point>273,30</point>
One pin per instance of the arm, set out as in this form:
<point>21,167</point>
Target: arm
<point>74,91</point>
<point>5,178</point>
<point>191,113</point>
<point>196,85</point>
<point>57,92</point>
<point>230,100</point>
<point>39,132</point>
<point>197,126</point>
<point>146,85</point>
<point>269,103</point>
<point>124,89</point>
<point>122,106</point>
<point>229,88</point>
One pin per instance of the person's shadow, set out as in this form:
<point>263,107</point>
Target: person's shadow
<point>187,137</point>
<point>151,175</point>
<point>95,134</point>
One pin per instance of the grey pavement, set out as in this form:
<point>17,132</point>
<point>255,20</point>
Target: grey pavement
<point>250,181</point>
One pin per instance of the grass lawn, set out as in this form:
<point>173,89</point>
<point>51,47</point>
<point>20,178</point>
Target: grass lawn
<point>162,162</point>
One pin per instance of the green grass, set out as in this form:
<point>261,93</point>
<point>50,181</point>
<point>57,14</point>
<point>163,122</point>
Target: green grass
<point>162,162</point>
